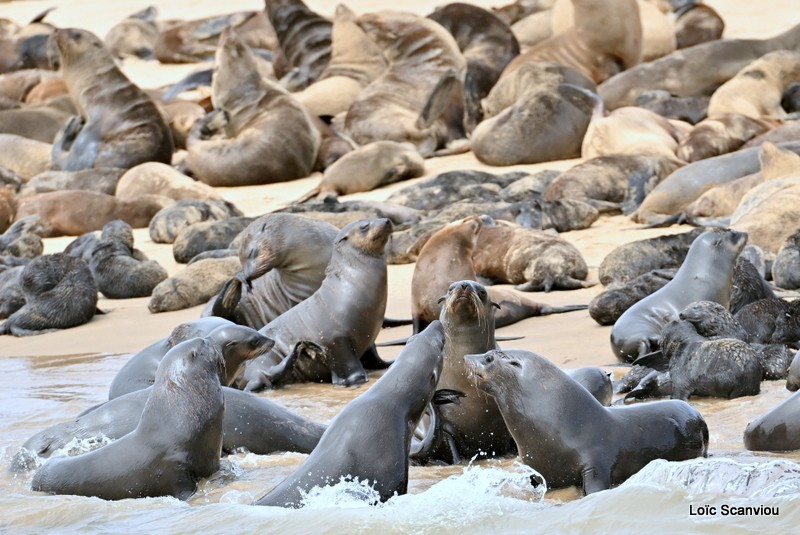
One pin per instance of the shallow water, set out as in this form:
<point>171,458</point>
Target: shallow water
<point>489,496</point>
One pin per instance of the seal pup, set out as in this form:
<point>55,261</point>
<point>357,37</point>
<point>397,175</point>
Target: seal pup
<point>615,179</point>
<point>193,285</point>
<point>531,259</point>
<point>24,157</point>
<point>118,125</point>
<point>720,135</point>
<point>786,268</point>
<point>605,38</point>
<point>283,258</point>
<point>177,442</point>
<point>355,61</point>
<point>447,257</point>
<point>22,239</point>
<point>393,406</point>
<point>238,344</point>
<point>168,223</point>
<point>757,89</point>
<point>257,134</point>
<point>11,296</point>
<point>563,432</point>
<point>722,367</point>
<point>633,259</point>
<point>631,130</point>
<point>59,293</point>
<point>777,430</point>
<point>332,333</point>
<point>685,72</point>
<point>118,273</point>
<point>207,236</point>
<point>771,321</point>
<point>371,166</point>
<point>304,39</point>
<point>250,422</point>
<point>545,105</point>
<point>76,212</point>
<point>419,98</point>
<point>157,177</point>
<point>705,275</point>
<point>606,307</point>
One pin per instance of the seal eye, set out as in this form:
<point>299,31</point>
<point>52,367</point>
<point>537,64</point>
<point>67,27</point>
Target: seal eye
<point>364,227</point>
<point>515,363</point>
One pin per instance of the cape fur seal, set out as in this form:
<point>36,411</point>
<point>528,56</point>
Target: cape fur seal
<point>118,125</point>
<point>564,433</point>
<point>786,268</point>
<point>332,333</point>
<point>705,275</point>
<point>59,293</point>
<point>257,134</point>
<point>177,442</point>
<point>777,430</point>
<point>370,438</point>
<point>419,97</point>
<point>283,258</point>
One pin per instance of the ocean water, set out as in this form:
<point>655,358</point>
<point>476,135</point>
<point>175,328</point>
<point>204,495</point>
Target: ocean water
<point>493,496</point>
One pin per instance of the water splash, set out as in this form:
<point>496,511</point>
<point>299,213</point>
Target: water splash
<point>769,479</point>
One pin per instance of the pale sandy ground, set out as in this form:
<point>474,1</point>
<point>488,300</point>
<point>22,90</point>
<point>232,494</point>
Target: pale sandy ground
<point>571,340</point>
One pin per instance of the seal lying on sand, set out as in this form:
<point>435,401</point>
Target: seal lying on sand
<point>565,434</point>
<point>178,440</point>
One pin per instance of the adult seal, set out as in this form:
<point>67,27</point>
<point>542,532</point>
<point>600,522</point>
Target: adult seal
<point>257,134</point>
<point>332,333</point>
<point>237,342</point>
<point>565,434</point>
<point>446,258</point>
<point>284,258</point>
<point>777,430</point>
<point>371,437</point>
<point>705,275</point>
<point>119,125</point>
<point>178,440</point>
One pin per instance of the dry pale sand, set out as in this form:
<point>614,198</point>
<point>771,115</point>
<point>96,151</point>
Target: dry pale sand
<point>571,340</point>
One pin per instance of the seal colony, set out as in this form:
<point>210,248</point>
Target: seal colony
<point>314,280</point>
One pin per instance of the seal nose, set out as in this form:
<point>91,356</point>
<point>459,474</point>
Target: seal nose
<point>464,285</point>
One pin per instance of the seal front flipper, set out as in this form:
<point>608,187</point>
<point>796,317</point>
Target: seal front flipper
<point>371,360</point>
<point>439,100</point>
<point>595,479</point>
<point>228,299</point>
<point>655,360</point>
<point>63,141</point>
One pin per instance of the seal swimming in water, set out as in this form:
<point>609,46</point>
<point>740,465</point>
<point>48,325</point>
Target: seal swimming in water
<point>238,344</point>
<point>392,407</point>
<point>566,435</point>
<point>119,125</point>
<point>257,134</point>
<point>705,275</point>
<point>177,442</point>
<point>334,330</point>
<point>59,293</point>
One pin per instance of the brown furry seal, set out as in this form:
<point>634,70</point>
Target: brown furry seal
<point>697,23</point>
<point>24,157</point>
<point>177,442</point>
<point>534,260</point>
<point>534,115</point>
<point>356,60</point>
<point>257,134</point>
<point>369,167</point>
<point>721,135</point>
<point>119,125</point>
<point>631,130</point>
<point>59,293</point>
<point>572,440</point>
<point>135,35</point>
<point>757,89</point>
<point>76,212</point>
<point>446,258</point>
<point>418,99</point>
<point>606,38</point>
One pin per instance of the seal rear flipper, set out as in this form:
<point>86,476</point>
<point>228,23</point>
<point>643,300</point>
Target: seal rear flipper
<point>191,81</point>
<point>426,436</point>
<point>546,310</point>
<point>438,100</point>
<point>398,342</point>
<point>711,222</point>
<point>41,16</point>
<point>659,221</point>
<point>391,322</point>
<point>346,368</point>
<point>371,360</point>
